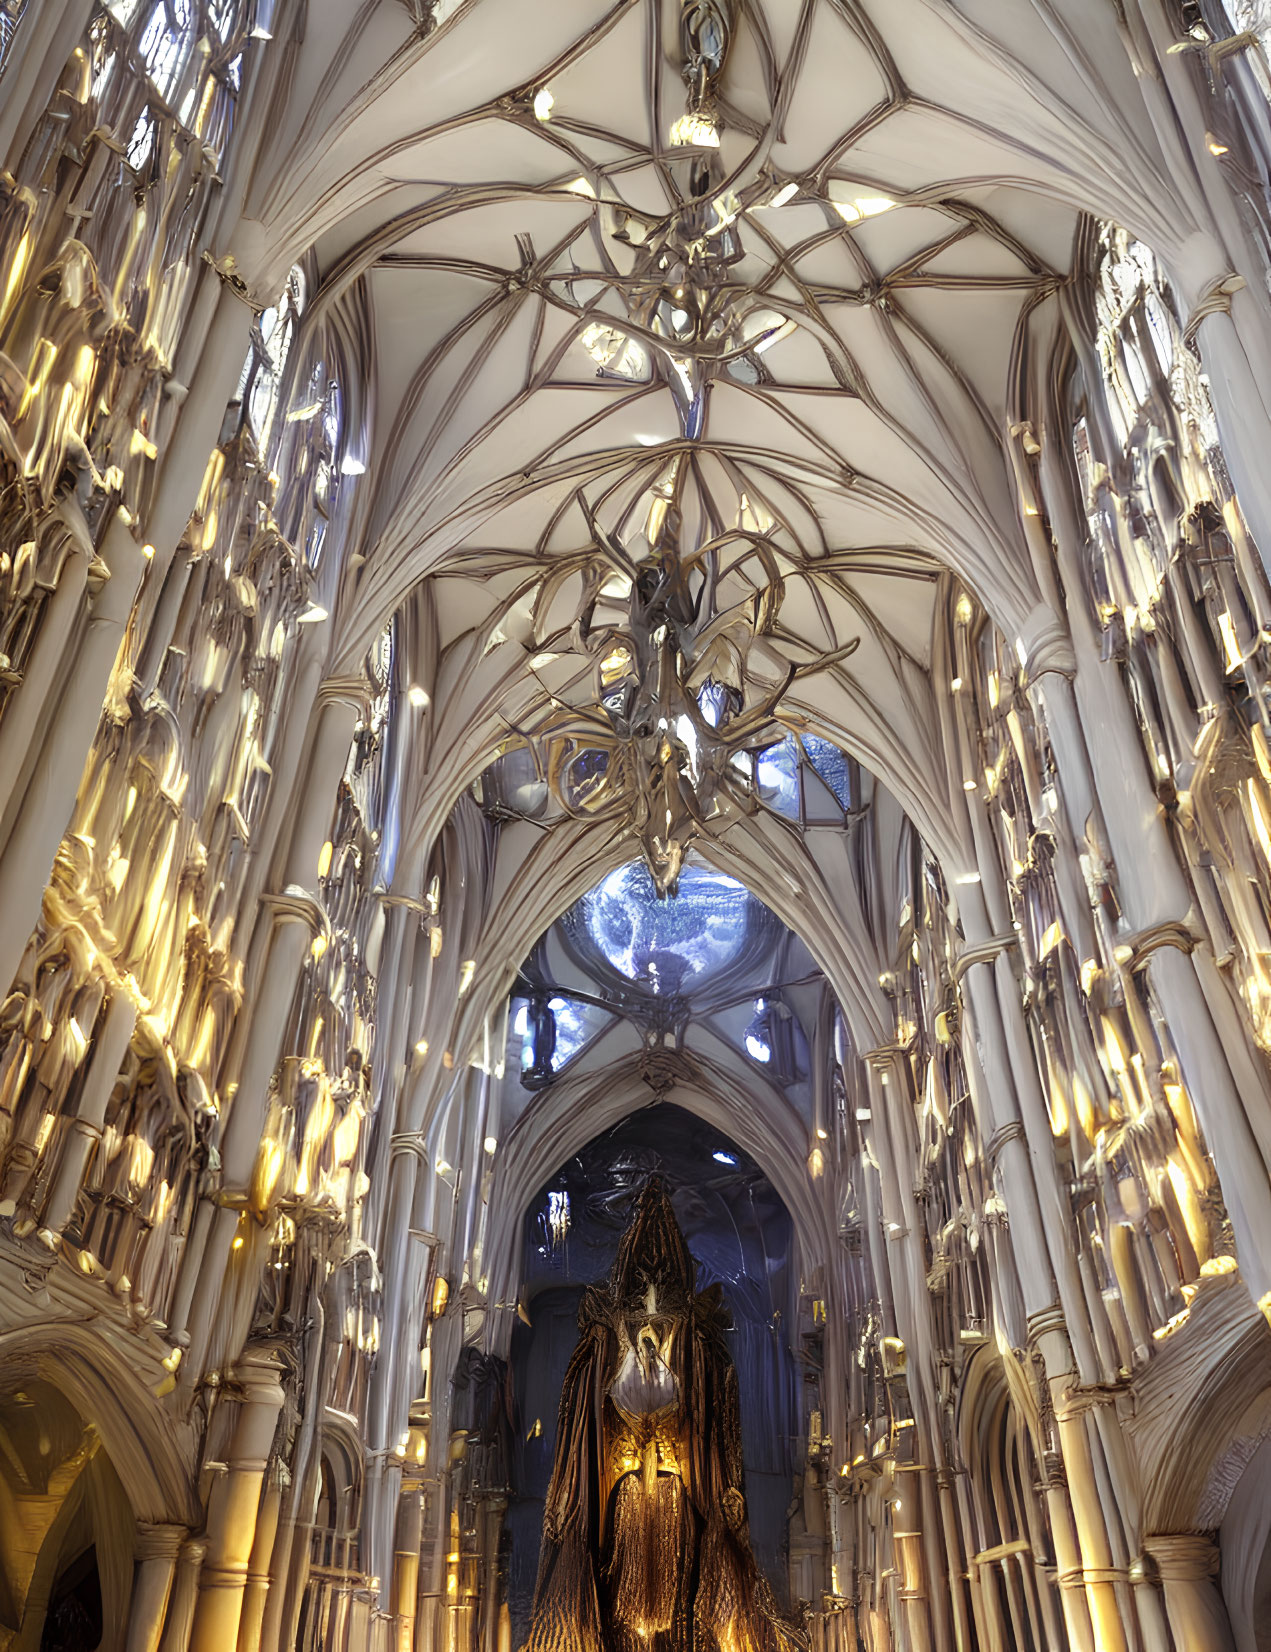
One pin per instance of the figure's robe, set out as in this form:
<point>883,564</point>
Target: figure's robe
<point>646,1546</point>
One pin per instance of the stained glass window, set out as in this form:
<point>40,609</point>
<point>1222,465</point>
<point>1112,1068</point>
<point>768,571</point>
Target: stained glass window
<point>272,339</point>
<point>10,16</point>
<point>549,1042</point>
<point>668,946</point>
<point>832,766</point>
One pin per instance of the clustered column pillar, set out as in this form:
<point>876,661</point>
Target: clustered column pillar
<point>235,1506</point>
<point>1187,1566</point>
<point>259,1568</point>
<point>295,917</point>
<point>157,1549</point>
<point>46,808</point>
<point>410,1528</point>
<point>86,1127</point>
<point>184,1597</point>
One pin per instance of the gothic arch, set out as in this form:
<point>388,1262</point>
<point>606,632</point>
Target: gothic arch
<point>146,1448</point>
<point>574,1110</point>
<point>1013,1575</point>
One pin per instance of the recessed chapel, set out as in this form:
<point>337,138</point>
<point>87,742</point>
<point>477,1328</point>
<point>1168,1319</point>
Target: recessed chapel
<point>635,826</point>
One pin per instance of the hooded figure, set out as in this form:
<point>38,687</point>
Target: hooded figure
<point>646,1546</point>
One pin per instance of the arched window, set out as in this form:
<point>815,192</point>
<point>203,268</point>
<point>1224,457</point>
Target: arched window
<point>10,16</point>
<point>551,1030</point>
<point>166,44</point>
<point>775,1040</point>
<point>666,946</point>
<point>163,60</point>
<point>272,339</point>
<point>803,777</point>
<point>1015,1563</point>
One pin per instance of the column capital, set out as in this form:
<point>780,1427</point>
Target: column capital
<point>1175,932</point>
<point>983,952</point>
<point>258,1372</point>
<point>1045,646</point>
<point>1046,1320</point>
<point>228,274</point>
<point>1213,299</point>
<point>158,1541</point>
<point>1182,1557</point>
<point>1012,1130</point>
<point>408,1141</point>
<point>295,906</point>
<point>352,691</point>
<point>192,1551</point>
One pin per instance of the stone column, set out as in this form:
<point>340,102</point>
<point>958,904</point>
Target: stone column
<point>157,1548</point>
<point>259,1568</point>
<point>234,1507</point>
<point>410,1517</point>
<point>1097,1570</point>
<point>1187,1566</point>
<point>1215,296</point>
<point>184,1598</point>
<point>962,1629</point>
<point>183,460</point>
<point>49,800</point>
<point>183,465</point>
<point>1155,895</point>
<point>1242,1170</point>
<point>1000,1124</point>
<point>294,920</point>
<point>907,1544</point>
<point>86,1127</point>
<point>1048,1335</point>
<point>33,697</point>
<point>46,37</point>
<point>1150,1607</point>
<point>341,701</point>
<point>296,917</point>
<point>923,1590</point>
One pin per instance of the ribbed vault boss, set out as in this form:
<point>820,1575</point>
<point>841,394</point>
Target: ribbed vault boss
<point>646,1546</point>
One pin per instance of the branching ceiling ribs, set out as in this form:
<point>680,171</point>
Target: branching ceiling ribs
<point>693,390</point>
<point>781,455</point>
<point>693,354</point>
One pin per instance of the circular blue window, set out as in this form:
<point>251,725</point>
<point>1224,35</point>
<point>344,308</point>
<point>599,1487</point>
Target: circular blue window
<point>667,946</point>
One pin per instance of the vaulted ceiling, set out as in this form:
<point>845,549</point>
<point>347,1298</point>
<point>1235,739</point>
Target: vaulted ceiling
<point>758,263</point>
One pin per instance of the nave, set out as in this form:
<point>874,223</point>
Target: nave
<point>635,826</point>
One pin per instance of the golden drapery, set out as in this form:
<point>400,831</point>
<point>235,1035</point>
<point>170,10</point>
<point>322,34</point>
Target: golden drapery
<point>646,1545</point>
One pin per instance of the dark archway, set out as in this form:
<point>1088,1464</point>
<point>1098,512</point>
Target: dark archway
<point>67,1529</point>
<point>740,1234</point>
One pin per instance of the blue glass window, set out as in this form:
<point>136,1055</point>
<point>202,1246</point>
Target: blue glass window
<point>832,765</point>
<point>574,1023</point>
<point>782,780</point>
<point>758,1044</point>
<point>667,945</point>
<point>777,777</point>
<point>775,1040</point>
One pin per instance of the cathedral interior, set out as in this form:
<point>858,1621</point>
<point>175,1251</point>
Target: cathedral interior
<point>635,826</point>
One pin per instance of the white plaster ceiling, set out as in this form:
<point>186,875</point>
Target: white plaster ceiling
<point>931,160</point>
